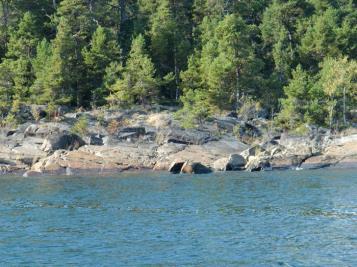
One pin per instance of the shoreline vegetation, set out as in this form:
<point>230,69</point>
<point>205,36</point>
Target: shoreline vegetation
<point>111,141</point>
<point>187,86</point>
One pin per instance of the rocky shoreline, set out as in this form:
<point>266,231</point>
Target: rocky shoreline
<point>116,141</point>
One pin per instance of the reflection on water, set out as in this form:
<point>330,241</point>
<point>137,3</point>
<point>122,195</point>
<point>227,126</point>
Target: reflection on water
<point>306,218</point>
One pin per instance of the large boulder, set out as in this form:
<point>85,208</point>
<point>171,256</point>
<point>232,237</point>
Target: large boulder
<point>220,164</point>
<point>194,168</point>
<point>303,145</point>
<point>258,164</point>
<point>66,141</point>
<point>235,162</point>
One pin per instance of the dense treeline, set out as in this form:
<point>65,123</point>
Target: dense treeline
<point>295,59</point>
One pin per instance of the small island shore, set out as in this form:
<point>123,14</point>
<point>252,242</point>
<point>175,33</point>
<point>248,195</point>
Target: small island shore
<point>126,140</point>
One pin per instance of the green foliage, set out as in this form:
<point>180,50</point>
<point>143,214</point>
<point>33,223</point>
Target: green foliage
<point>170,40</point>
<point>250,109</point>
<point>300,130</point>
<point>102,52</point>
<point>323,99</point>
<point>51,110</point>
<point>225,67</point>
<point>81,126</point>
<point>16,70</point>
<point>195,109</point>
<point>296,58</point>
<point>338,80</point>
<point>296,102</point>
<point>63,73</point>
<point>138,83</point>
<point>40,93</point>
<point>320,39</point>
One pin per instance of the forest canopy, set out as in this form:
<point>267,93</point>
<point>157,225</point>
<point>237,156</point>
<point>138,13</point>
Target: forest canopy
<point>295,59</point>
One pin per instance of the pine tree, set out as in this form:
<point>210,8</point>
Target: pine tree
<point>41,66</point>
<point>338,81</point>
<point>64,74</point>
<point>102,51</point>
<point>18,75</point>
<point>227,62</point>
<point>296,102</point>
<point>79,18</point>
<point>280,32</point>
<point>320,39</point>
<point>138,84</point>
<point>75,26</point>
<point>170,39</point>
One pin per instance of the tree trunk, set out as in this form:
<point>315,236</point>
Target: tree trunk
<point>54,3</point>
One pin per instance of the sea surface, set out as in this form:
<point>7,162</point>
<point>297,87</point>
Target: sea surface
<point>291,218</point>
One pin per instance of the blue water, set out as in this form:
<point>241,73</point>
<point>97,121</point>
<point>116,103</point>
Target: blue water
<point>301,218</point>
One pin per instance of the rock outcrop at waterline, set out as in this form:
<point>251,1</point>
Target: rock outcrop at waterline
<point>126,140</point>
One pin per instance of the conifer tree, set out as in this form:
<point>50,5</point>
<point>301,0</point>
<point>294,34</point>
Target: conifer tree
<point>64,74</point>
<point>227,62</point>
<point>170,39</point>
<point>338,80</point>
<point>17,76</point>
<point>138,84</point>
<point>74,30</point>
<point>102,51</point>
<point>42,67</point>
<point>296,102</point>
